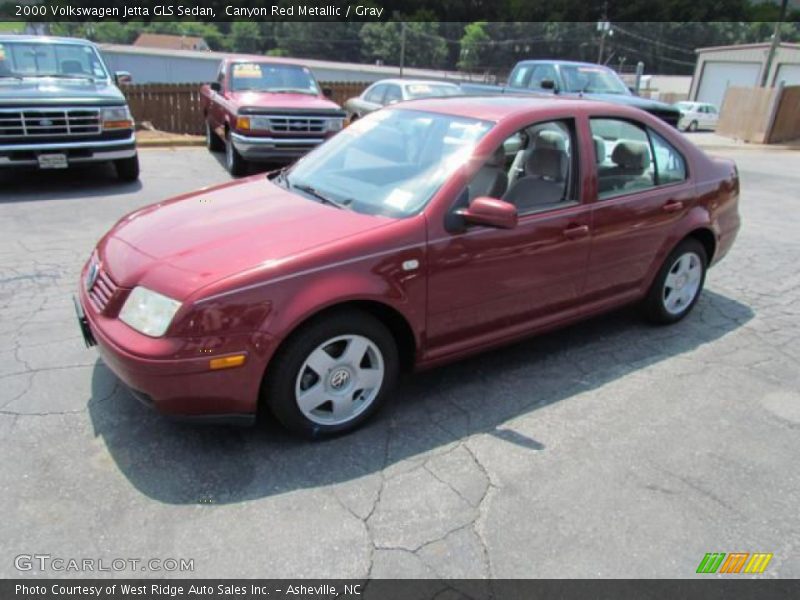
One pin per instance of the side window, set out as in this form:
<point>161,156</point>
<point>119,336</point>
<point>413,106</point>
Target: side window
<point>622,154</point>
<point>670,165</point>
<point>539,74</point>
<point>519,76</point>
<point>534,169</point>
<point>712,109</point>
<point>375,95</point>
<point>393,94</point>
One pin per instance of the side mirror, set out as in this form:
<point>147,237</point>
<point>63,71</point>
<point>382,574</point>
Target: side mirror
<point>215,85</point>
<point>327,92</point>
<point>548,84</point>
<point>123,78</point>
<point>490,212</point>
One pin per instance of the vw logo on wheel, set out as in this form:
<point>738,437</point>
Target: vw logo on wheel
<point>340,378</point>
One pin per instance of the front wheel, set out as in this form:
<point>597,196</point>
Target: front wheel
<point>678,284</point>
<point>236,165</point>
<point>332,374</point>
<point>127,168</point>
<point>692,126</point>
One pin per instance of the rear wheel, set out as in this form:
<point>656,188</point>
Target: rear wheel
<point>678,284</point>
<point>127,168</point>
<point>236,165</point>
<point>213,143</point>
<point>332,374</point>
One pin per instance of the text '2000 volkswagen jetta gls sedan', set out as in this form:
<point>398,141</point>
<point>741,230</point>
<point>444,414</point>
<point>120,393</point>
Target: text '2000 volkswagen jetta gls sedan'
<point>422,233</point>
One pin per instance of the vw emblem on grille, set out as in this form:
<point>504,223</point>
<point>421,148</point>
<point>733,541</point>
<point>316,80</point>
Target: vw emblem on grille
<point>340,378</point>
<point>91,275</point>
<point>46,122</point>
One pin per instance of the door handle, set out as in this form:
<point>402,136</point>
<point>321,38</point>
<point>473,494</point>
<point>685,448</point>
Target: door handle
<point>673,206</point>
<point>573,232</point>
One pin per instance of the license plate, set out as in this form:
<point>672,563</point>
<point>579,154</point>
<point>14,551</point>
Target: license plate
<point>52,161</point>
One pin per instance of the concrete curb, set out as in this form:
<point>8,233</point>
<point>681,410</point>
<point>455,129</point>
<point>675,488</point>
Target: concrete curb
<point>169,142</point>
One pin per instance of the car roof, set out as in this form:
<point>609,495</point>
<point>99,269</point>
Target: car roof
<point>498,108</point>
<point>573,63</point>
<point>44,39</point>
<point>415,82</point>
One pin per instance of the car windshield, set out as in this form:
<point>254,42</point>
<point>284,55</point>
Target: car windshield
<point>592,80</point>
<point>426,90</point>
<point>50,59</point>
<point>390,162</point>
<point>262,77</point>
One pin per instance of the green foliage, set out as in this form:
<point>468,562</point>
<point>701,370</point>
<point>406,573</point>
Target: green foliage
<point>245,36</point>
<point>424,46</point>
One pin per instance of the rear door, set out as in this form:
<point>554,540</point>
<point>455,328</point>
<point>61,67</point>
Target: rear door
<point>638,202</point>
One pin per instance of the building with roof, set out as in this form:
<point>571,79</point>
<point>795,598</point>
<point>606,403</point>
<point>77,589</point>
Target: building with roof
<point>721,67</point>
<point>163,65</point>
<point>171,42</point>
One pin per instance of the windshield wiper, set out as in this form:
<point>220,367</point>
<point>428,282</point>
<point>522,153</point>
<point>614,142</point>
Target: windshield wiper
<point>309,189</point>
<point>289,91</point>
<point>11,77</point>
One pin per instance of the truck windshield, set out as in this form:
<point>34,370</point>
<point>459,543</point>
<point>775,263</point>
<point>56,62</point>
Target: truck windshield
<point>389,163</point>
<point>50,59</point>
<point>592,80</point>
<point>261,77</point>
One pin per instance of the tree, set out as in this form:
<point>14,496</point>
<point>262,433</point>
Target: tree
<point>245,37</point>
<point>473,46</point>
<point>424,46</point>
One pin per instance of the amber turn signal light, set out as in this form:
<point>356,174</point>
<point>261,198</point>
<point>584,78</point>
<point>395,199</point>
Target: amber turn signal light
<point>242,123</point>
<point>226,362</point>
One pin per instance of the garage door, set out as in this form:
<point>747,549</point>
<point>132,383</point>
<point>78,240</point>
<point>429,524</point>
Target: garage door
<point>789,74</point>
<point>719,76</point>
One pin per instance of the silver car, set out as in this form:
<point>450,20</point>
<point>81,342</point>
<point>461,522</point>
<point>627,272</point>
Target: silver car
<point>389,91</point>
<point>697,115</point>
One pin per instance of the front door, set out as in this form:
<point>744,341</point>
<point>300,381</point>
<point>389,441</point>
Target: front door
<point>485,283</point>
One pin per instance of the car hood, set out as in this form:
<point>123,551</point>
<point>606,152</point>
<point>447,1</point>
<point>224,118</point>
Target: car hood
<point>268,100</point>
<point>48,91</point>
<point>635,101</point>
<point>181,245</point>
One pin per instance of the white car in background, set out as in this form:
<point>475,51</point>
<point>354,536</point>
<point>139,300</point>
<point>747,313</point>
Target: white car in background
<point>697,115</point>
<point>389,91</point>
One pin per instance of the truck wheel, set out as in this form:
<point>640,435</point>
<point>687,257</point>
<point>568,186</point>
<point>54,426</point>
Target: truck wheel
<point>127,168</point>
<point>332,374</point>
<point>236,165</point>
<point>678,284</point>
<point>213,143</point>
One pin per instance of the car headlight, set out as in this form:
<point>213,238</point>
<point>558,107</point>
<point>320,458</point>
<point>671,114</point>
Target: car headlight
<point>335,124</point>
<point>148,312</point>
<point>117,117</point>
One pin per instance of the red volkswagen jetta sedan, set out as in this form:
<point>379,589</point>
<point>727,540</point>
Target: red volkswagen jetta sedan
<point>422,233</point>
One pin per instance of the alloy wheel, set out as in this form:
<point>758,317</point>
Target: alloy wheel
<point>682,283</point>
<point>339,380</point>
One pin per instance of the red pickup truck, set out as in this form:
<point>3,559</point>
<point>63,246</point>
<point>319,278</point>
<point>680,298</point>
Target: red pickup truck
<point>265,110</point>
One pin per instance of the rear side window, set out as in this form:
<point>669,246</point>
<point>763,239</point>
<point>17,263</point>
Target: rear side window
<point>631,158</point>
<point>375,95</point>
<point>670,166</point>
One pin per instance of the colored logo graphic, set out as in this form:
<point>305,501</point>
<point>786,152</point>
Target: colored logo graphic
<point>736,562</point>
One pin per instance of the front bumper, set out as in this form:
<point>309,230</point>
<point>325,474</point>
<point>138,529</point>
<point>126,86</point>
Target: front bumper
<point>179,388</point>
<point>269,148</point>
<point>21,155</point>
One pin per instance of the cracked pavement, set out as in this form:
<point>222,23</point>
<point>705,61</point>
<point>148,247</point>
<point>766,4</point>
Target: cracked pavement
<point>609,449</point>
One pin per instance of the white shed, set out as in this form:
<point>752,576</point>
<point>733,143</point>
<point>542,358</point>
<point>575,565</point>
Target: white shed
<point>721,67</point>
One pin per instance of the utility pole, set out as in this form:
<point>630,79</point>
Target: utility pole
<point>776,39</point>
<point>402,47</point>
<point>604,27</point>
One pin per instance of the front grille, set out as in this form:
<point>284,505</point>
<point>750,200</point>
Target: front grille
<point>102,291</point>
<point>36,123</point>
<point>289,124</point>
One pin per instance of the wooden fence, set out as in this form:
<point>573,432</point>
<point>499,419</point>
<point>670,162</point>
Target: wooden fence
<point>761,115</point>
<point>175,107</point>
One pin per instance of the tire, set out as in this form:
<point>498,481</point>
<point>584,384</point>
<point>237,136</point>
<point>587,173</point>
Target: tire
<point>358,362</point>
<point>236,165</point>
<point>692,126</point>
<point>213,143</point>
<point>127,168</point>
<point>678,284</point>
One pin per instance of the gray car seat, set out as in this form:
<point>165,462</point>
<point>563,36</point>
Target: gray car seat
<point>630,171</point>
<point>491,180</point>
<point>544,183</point>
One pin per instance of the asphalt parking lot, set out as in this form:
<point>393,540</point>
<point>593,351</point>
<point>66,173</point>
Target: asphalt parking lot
<point>610,449</point>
